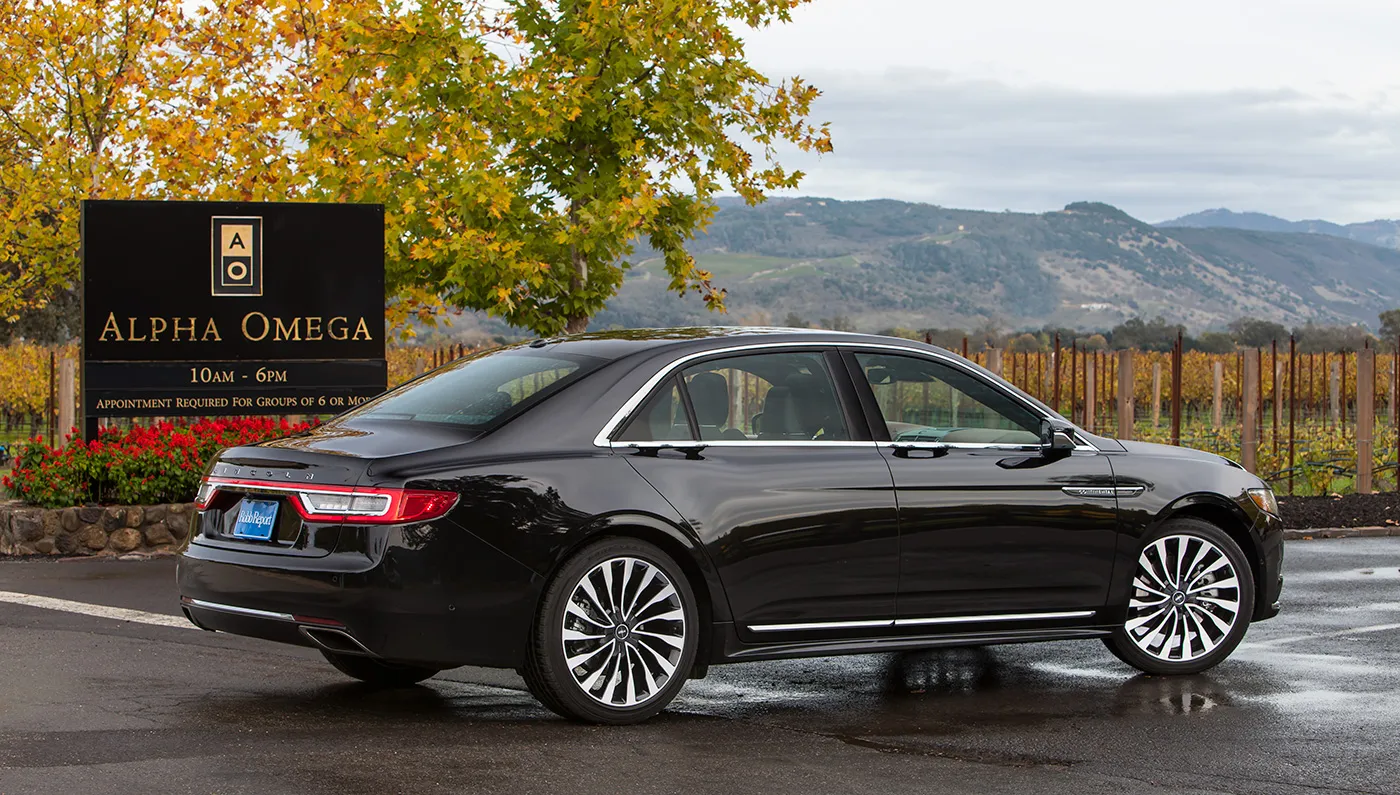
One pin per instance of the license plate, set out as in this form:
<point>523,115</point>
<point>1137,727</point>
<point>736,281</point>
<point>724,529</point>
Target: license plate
<point>256,519</point>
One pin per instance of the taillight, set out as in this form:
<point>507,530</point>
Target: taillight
<point>358,504</point>
<point>205,496</point>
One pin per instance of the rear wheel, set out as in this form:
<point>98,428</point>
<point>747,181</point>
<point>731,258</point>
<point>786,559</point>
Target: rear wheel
<point>379,673</point>
<point>1191,600</point>
<point>616,635</point>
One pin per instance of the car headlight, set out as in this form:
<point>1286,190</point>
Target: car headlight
<point>1265,499</point>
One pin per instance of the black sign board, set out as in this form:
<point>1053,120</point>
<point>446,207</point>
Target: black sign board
<point>230,308</point>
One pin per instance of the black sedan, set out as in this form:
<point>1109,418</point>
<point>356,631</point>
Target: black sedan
<point>610,514</point>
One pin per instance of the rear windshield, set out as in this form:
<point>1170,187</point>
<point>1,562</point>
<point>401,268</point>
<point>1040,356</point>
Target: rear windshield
<point>482,391</point>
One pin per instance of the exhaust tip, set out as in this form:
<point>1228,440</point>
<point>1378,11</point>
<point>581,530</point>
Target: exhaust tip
<point>336,641</point>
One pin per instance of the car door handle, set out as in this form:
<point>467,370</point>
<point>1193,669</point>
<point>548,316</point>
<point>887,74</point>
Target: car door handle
<point>920,449</point>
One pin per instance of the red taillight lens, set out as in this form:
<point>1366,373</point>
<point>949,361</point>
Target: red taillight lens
<point>357,504</point>
<point>420,506</point>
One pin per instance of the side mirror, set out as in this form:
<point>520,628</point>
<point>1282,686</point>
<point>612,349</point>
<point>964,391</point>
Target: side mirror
<point>1055,438</point>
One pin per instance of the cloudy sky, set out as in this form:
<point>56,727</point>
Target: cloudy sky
<point>1290,107</point>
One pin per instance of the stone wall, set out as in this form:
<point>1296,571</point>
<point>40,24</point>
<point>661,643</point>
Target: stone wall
<point>93,530</point>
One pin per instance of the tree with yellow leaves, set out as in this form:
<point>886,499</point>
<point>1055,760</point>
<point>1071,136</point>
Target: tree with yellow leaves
<point>621,120</point>
<point>520,149</point>
<point>73,86</point>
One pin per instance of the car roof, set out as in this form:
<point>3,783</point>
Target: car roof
<point>622,343</point>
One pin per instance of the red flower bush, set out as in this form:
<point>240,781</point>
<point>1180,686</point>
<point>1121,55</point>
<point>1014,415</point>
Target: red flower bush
<point>142,466</point>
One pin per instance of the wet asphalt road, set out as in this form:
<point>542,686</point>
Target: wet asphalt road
<point>1310,703</point>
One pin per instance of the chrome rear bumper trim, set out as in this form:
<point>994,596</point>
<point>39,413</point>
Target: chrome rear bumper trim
<point>238,611</point>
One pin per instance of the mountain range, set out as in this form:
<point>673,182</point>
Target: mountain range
<point>884,263</point>
<point>1384,233</point>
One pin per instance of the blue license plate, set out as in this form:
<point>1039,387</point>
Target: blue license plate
<point>256,519</point>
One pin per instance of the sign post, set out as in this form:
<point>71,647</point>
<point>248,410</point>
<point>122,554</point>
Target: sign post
<point>230,308</point>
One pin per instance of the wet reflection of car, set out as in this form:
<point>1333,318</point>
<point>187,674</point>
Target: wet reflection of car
<point>610,514</point>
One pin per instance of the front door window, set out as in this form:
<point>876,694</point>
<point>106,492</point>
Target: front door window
<point>923,400</point>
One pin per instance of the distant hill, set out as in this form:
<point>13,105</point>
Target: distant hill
<point>888,263</point>
<point>1382,233</point>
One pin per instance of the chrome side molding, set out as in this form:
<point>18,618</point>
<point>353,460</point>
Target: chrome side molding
<point>1104,492</point>
<point>916,622</point>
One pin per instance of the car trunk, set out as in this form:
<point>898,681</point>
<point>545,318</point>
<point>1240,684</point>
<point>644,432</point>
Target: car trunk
<point>264,492</point>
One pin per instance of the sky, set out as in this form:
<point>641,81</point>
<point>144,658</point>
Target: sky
<point>1289,107</point>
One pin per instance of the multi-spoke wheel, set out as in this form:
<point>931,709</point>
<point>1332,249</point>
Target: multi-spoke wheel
<point>1190,601</point>
<point>616,635</point>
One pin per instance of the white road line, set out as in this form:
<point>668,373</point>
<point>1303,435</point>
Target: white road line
<point>100,611</point>
<point>1341,633</point>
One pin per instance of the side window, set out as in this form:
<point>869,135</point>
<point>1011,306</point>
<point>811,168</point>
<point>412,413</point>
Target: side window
<point>927,401</point>
<point>767,396</point>
<point>660,419</point>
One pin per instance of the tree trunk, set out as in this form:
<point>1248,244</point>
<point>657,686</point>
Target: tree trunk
<point>577,324</point>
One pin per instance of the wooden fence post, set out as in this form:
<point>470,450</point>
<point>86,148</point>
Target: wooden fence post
<point>1394,385</point>
<point>1125,394</point>
<point>1156,394</point>
<point>1278,395</point>
<point>994,360</point>
<point>1334,393</point>
<point>1089,393</point>
<point>1215,412</point>
<point>67,394</point>
<point>1278,388</point>
<point>1249,393</point>
<point>1365,418</point>
<point>49,418</point>
<point>1342,404</point>
<point>1073,378</point>
<point>1176,390</point>
<point>1292,406</point>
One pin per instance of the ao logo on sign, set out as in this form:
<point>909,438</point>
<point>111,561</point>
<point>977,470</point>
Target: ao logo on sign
<point>237,256</point>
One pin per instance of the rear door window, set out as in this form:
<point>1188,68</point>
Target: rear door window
<point>661,419</point>
<point>787,396</point>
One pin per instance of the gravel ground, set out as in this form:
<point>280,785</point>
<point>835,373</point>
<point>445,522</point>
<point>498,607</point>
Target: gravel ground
<point>1353,510</point>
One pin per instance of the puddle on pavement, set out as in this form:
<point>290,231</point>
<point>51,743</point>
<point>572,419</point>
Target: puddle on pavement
<point>1348,575</point>
<point>950,692</point>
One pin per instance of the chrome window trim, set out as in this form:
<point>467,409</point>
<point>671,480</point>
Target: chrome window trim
<point>614,424</point>
<point>1019,448</point>
<point>240,611</point>
<point>916,622</point>
<point>686,444</point>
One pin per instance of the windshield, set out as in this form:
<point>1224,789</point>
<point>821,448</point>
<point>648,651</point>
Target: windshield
<point>482,391</point>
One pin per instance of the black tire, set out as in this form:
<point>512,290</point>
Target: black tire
<point>633,637</point>
<point>1183,540</point>
<point>380,673</point>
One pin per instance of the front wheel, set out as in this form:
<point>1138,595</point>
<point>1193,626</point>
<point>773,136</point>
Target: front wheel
<point>1191,600</point>
<point>616,634</point>
<point>380,673</point>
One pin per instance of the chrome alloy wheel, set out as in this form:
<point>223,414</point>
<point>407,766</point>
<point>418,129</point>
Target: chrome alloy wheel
<point>624,629</point>
<point>1186,598</point>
